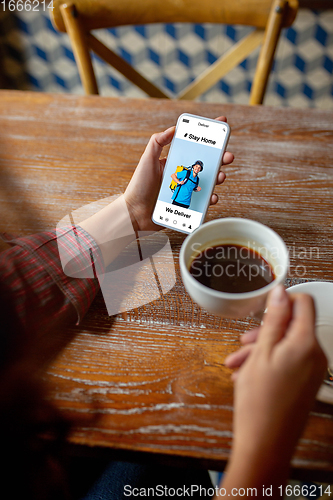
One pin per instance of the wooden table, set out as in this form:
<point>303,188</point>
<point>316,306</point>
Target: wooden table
<point>152,382</point>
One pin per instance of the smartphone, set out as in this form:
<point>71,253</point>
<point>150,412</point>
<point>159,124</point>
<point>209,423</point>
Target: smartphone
<point>190,172</point>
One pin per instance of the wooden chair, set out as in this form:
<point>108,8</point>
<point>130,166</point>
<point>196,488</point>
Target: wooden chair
<point>267,16</point>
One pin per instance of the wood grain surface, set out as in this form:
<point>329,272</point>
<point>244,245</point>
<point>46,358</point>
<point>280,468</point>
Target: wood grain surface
<point>153,380</point>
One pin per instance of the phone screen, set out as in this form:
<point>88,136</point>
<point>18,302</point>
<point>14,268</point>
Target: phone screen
<point>190,172</point>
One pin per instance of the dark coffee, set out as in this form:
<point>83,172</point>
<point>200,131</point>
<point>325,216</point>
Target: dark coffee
<point>232,269</point>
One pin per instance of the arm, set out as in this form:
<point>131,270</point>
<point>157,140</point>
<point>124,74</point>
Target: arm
<point>175,178</point>
<point>32,276</point>
<point>275,388</point>
<point>104,235</point>
<point>198,188</point>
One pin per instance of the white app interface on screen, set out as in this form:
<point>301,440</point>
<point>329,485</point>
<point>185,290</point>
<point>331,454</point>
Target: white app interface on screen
<point>190,173</point>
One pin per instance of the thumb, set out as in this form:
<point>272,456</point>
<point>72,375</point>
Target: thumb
<point>157,143</point>
<point>277,317</point>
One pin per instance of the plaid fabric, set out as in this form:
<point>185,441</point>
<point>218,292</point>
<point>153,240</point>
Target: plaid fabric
<point>32,273</point>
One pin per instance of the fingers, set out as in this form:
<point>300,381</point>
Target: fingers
<point>237,358</point>
<point>227,158</point>
<point>221,119</point>
<point>304,314</point>
<point>276,319</point>
<point>214,199</point>
<point>303,330</point>
<point>303,342</point>
<point>250,337</point>
<point>220,178</point>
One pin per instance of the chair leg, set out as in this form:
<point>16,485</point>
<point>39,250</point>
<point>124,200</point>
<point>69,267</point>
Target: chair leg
<point>80,48</point>
<point>223,65</point>
<point>123,67</point>
<point>267,52</point>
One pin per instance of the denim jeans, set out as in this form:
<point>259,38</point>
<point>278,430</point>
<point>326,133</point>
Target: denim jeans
<point>121,480</point>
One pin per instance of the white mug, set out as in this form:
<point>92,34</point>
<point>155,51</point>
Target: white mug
<point>234,231</point>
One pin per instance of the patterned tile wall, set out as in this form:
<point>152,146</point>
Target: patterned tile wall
<point>35,56</point>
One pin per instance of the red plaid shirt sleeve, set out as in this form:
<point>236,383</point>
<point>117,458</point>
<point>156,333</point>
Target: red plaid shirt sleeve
<point>32,273</point>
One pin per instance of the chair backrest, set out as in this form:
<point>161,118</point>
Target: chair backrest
<point>267,16</point>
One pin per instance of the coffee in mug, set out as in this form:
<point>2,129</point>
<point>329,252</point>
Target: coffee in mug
<point>231,268</point>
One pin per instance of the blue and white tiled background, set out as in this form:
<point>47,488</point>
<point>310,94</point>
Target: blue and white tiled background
<point>34,56</point>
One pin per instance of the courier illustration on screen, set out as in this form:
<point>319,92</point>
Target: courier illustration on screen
<point>184,182</point>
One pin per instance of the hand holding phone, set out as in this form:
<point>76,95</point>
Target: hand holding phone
<point>190,172</point>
